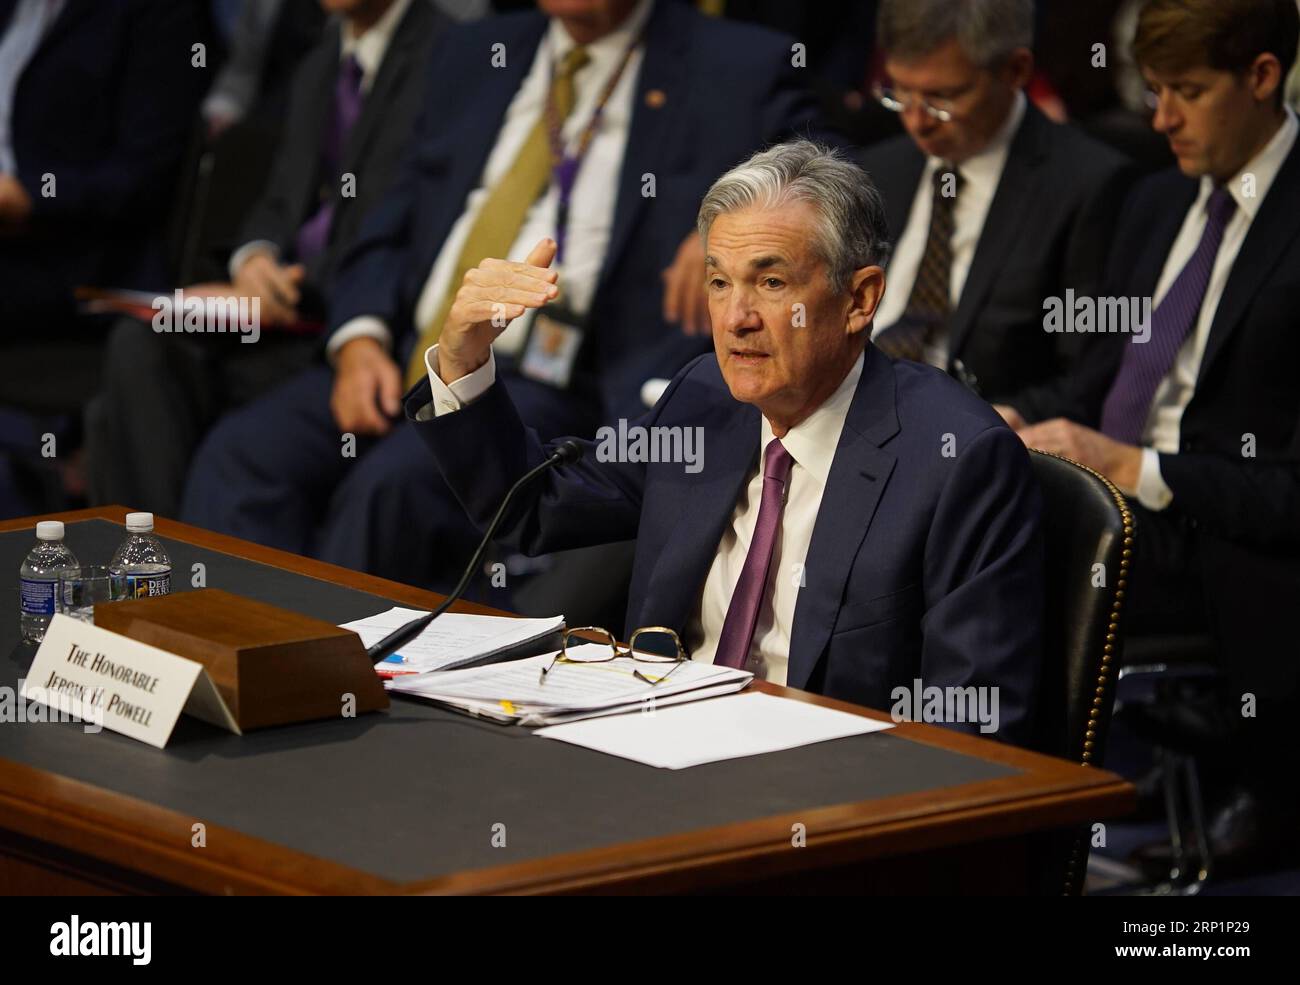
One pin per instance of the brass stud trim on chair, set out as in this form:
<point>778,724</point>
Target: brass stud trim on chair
<point>1116,611</point>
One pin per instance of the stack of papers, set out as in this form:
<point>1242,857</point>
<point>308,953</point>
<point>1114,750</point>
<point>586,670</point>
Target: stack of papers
<point>515,692</point>
<point>454,639</point>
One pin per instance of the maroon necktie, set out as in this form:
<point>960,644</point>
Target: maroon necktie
<point>742,614</point>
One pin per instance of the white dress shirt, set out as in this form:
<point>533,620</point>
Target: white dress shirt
<point>980,175</point>
<point>811,444</point>
<point>1162,431</point>
<point>595,192</point>
<point>368,47</point>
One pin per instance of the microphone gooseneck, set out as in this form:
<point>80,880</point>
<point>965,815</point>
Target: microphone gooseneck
<point>565,452</point>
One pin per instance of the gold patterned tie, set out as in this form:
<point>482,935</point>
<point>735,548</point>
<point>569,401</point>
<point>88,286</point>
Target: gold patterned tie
<point>927,306</point>
<point>498,222</point>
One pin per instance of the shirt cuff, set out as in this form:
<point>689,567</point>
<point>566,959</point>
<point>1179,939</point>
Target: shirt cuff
<point>365,326</point>
<point>652,389</point>
<point>451,397</point>
<point>241,255</point>
<point>222,104</point>
<point>1152,492</point>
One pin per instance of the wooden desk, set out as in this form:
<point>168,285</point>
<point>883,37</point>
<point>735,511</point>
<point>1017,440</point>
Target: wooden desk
<point>63,835</point>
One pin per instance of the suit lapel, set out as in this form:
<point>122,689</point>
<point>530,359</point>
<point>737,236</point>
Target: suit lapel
<point>659,93</point>
<point>1151,261</point>
<point>477,132</point>
<point>1275,224</point>
<point>1006,214</point>
<point>899,189</point>
<point>856,482</point>
<point>324,81</point>
<point>730,454</point>
<point>404,45</point>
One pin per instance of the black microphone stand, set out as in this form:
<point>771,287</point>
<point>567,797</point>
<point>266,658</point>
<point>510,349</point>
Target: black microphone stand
<point>565,451</point>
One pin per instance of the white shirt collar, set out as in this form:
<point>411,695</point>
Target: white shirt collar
<point>1264,166</point>
<point>608,49</point>
<point>988,163</point>
<point>812,442</point>
<point>369,47</point>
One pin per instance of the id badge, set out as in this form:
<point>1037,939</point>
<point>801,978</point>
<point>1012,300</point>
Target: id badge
<point>551,349</point>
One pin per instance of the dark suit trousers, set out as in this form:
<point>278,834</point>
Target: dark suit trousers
<point>160,393</point>
<point>49,361</point>
<point>275,472</point>
<point>1169,598</point>
<point>33,292</point>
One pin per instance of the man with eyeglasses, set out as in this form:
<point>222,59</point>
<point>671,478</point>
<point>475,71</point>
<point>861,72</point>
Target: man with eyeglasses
<point>855,524</point>
<point>1200,425</point>
<point>993,208</point>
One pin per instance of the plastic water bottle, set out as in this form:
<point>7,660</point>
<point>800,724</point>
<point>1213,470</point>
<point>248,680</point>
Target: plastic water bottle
<point>142,559</point>
<point>39,579</point>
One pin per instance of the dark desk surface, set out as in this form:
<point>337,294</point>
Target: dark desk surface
<point>420,798</point>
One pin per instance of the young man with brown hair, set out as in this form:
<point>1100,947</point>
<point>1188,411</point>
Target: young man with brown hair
<point>1200,425</point>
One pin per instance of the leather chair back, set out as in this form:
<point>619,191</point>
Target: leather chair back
<point>1089,540</point>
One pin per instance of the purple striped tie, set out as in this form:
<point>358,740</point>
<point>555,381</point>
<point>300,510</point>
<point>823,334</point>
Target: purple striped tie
<point>1124,415</point>
<point>742,614</point>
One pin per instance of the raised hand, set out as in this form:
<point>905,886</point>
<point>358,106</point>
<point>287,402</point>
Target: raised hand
<point>491,296</point>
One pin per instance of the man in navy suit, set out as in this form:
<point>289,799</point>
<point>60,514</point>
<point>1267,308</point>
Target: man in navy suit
<point>682,97</point>
<point>1200,425</point>
<point>830,518</point>
<point>97,100</point>
<point>351,105</point>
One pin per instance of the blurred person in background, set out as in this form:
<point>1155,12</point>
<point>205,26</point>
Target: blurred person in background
<point>352,104</point>
<point>667,100</point>
<point>266,40</point>
<point>1200,425</point>
<point>97,104</point>
<point>97,99</point>
<point>992,206</point>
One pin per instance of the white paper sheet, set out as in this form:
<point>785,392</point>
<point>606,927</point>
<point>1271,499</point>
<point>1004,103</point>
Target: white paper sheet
<point>709,731</point>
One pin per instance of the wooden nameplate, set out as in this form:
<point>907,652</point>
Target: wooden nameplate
<point>270,665</point>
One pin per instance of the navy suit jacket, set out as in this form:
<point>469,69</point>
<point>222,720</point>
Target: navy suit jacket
<point>926,558</point>
<point>1240,507</point>
<point>724,90</point>
<point>1049,228</point>
<point>372,152</point>
<point>107,105</point>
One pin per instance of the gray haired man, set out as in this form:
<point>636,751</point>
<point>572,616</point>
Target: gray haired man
<point>856,526</point>
<point>996,211</point>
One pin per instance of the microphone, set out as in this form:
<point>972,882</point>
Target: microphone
<point>566,452</point>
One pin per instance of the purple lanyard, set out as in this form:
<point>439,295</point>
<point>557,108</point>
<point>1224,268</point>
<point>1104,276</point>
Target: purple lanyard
<point>564,166</point>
